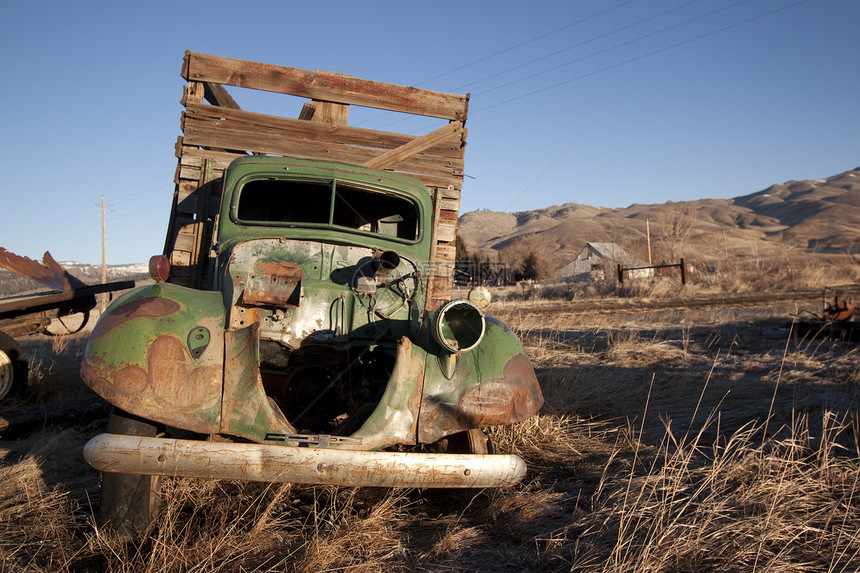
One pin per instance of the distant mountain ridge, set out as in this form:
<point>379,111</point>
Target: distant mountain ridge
<point>813,215</point>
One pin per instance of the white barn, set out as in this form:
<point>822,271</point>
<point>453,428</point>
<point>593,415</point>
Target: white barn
<point>597,261</point>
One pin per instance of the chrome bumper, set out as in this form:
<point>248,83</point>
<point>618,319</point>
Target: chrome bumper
<point>259,462</point>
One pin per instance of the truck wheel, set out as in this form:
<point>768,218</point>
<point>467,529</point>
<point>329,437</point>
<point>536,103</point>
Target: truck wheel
<point>129,503</point>
<point>13,366</point>
<point>68,324</point>
<point>469,442</point>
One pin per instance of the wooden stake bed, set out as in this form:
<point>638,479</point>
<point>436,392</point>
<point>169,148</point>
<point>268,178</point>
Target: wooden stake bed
<point>216,131</point>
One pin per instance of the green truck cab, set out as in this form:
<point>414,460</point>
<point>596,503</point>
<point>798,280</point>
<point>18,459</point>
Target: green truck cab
<point>315,354</point>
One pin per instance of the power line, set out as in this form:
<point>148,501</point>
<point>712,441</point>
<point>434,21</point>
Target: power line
<point>641,56</point>
<point>551,163</point>
<point>583,43</point>
<point>498,53</point>
<point>124,214</point>
<point>77,218</point>
<point>638,22</point>
<point>529,41</point>
<point>131,191</point>
<point>609,67</point>
<point>616,46</point>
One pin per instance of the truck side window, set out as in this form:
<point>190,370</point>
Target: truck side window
<point>375,212</point>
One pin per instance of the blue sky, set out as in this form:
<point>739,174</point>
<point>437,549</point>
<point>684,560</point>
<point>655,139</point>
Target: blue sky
<point>601,102</point>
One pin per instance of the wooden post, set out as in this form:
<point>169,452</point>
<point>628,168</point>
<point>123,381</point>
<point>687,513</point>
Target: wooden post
<point>129,504</point>
<point>683,272</point>
<point>620,275</point>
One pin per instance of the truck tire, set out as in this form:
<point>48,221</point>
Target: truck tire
<point>13,366</point>
<point>129,504</point>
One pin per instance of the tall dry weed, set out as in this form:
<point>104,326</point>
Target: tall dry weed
<point>45,490</point>
<point>782,505</point>
<point>54,367</point>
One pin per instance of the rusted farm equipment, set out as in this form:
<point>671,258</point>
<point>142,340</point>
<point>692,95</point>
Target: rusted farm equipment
<point>836,321</point>
<point>33,313</point>
<point>837,309</point>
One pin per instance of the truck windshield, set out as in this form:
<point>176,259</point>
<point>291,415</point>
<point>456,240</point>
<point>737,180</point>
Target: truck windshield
<point>334,204</point>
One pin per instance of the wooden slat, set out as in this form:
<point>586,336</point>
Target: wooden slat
<point>184,240</point>
<point>355,155</point>
<point>207,136</point>
<point>189,173</point>
<point>307,113</point>
<point>440,175</point>
<point>187,160</point>
<point>447,216</point>
<point>449,193</point>
<point>446,252</point>
<point>194,92</point>
<point>178,260</point>
<point>394,156</point>
<point>331,113</point>
<point>217,95</point>
<point>325,86</point>
<point>251,122</point>
<point>446,233</point>
<point>311,152</point>
<point>220,159</point>
<point>186,202</point>
<point>449,204</point>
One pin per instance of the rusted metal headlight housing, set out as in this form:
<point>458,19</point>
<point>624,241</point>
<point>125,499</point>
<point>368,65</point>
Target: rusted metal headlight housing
<point>458,326</point>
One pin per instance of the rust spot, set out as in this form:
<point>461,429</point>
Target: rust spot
<point>493,402</point>
<point>148,307</point>
<point>172,383</point>
<point>506,401</point>
<point>130,381</point>
<point>167,364</point>
<point>283,269</point>
<point>274,284</point>
<point>92,374</point>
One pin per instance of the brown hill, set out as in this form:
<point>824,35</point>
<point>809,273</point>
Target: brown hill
<point>821,216</point>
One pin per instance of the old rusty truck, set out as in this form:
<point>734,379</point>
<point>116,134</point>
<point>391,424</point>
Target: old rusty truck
<point>301,327</point>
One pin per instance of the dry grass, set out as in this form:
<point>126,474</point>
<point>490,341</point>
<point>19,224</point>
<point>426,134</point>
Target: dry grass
<point>54,365</point>
<point>670,441</point>
<point>742,505</point>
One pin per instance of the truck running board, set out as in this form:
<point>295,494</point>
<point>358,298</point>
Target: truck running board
<point>259,462</point>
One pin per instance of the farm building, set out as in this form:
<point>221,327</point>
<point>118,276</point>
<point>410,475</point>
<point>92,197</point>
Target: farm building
<point>598,261</point>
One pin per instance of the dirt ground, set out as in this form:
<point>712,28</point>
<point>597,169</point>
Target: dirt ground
<point>674,440</point>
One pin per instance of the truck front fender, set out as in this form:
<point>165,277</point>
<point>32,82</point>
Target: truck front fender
<point>492,384</point>
<point>157,352</point>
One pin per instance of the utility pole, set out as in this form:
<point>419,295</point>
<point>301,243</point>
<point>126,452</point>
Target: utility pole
<point>648,234</point>
<point>104,259</point>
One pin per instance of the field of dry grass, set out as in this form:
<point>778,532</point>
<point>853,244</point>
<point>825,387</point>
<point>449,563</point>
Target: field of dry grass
<point>671,440</point>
